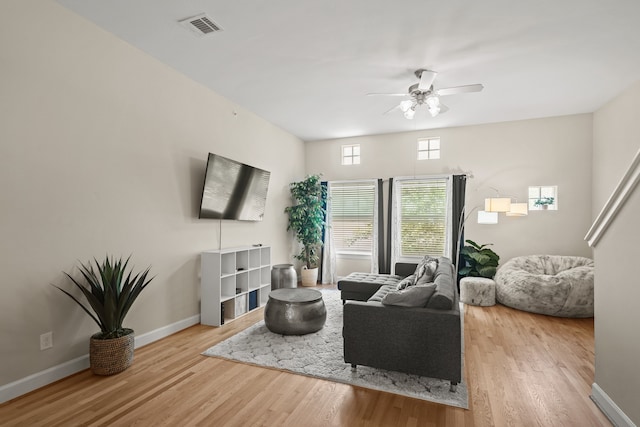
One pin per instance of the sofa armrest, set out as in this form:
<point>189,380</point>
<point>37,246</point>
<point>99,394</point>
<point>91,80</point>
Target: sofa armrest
<point>405,269</point>
<point>418,341</point>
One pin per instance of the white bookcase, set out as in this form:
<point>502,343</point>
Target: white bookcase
<point>233,282</point>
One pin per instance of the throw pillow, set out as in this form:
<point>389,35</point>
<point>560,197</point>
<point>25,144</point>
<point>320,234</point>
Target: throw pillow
<point>413,296</point>
<point>422,265</point>
<point>426,268</point>
<point>407,281</point>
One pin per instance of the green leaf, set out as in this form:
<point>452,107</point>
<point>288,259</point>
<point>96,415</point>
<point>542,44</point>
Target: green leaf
<point>480,258</point>
<point>464,271</point>
<point>487,272</point>
<point>473,244</point>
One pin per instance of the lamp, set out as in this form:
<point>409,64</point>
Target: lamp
<point>497,204</point>
<point>518,209</point>
<point>485,217</point>
<point>433,102</point>
<point>410,113</point>
<point>408,107</point>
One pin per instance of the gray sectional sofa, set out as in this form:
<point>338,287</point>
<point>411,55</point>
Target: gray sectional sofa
<point>362,286</point>
<point>423,340</point>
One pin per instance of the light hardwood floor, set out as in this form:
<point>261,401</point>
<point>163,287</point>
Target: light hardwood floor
<point>521,369</point>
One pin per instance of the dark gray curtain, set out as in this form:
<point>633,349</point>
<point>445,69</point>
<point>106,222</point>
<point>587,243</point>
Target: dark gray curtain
<point>459,189</point>
<point>387,259</point>
<point>381,256</point>
<point>324,229</point>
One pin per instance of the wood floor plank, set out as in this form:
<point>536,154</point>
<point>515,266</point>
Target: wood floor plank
<point>521,369</point>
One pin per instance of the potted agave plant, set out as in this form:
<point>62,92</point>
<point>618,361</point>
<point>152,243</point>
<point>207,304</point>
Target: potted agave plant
<point>110,292</point>
<point>306,218</point>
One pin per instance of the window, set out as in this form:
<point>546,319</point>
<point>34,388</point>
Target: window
<point>421,217</point>
<point>543,198</point>
<point>428,148</point>
<point>352,216</point>
<point>351,154</point>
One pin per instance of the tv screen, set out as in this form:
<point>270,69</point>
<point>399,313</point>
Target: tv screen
<point>233,190</point>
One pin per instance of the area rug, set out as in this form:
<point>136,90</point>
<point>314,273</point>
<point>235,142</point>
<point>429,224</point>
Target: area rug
<point>320,355</point>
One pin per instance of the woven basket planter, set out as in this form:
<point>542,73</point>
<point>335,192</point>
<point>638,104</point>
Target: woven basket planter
<point>108,357</point>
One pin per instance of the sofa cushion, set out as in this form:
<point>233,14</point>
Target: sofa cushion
<point>355,279</point>
<point>407,281</point>
<point>413,296</point>
<point>381,293</point>
<point>445,293</point>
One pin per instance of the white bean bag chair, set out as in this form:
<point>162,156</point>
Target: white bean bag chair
<point>547,284</point>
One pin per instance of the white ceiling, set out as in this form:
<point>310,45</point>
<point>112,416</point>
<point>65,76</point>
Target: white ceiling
<point>307,65</point>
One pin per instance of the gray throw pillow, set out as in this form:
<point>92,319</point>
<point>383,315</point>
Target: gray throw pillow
<point>407,281</point>
<point>429,272</point>
<point>413,296</point>
<point>426,269</point>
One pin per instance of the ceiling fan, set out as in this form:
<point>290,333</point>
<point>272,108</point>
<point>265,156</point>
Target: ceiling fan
<point>423,93</point>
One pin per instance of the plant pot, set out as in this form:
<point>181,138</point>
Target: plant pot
<point>111,356</point>
<point>545,207</point>
<point>309,276</point>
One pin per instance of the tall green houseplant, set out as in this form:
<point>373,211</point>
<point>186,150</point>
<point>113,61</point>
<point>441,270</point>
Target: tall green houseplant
<point>306,217</point>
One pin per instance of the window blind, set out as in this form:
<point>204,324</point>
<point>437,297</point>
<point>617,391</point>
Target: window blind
<point>352,216</point>
<point>422,219</point>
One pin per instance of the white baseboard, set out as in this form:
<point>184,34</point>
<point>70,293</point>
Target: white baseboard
<point>165,331</point>
<point>55,373</point>
<point>609,407</point>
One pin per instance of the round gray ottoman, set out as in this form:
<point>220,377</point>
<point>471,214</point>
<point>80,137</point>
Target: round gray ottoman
<point>295,311</point>
<point>478,291</point>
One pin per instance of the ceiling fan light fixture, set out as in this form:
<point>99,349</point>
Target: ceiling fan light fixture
<point>406,105</point>
<point>410,113</point>
<point>424,92</point>
<point>433,103</point>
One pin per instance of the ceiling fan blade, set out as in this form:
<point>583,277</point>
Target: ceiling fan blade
<point>459,89</point>
<point>387,94</point>
<point>426,80</point>
<point>443,109</point>
<point>397,107</point>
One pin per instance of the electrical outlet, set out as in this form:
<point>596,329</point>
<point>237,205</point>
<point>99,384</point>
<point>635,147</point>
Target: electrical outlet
<point>46,341</point>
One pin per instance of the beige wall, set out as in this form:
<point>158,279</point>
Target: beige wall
<point>507,156</point>
<point>616,135</point>
<point>103,150</point>
<point>617,285</point>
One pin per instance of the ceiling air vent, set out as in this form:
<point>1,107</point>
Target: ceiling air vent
<point>201,25</point>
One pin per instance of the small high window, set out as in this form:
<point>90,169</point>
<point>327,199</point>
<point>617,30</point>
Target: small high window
<point>351,154</point>
<point>428,148</point>
<point>544,197</point>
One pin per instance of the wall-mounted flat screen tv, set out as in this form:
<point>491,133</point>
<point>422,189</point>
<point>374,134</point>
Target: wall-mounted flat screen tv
<point>233,190</point>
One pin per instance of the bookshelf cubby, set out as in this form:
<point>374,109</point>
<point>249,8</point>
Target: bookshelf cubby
<point>233,282</point>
